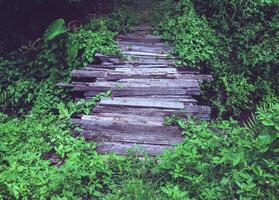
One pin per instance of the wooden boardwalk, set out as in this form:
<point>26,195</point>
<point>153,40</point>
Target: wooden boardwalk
<point>146,87</point>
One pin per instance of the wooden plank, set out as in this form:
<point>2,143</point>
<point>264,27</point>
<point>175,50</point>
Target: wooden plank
<point>115,66</point>
<point>86,73</point>
<point>183,99</point>
<point>116,75</point>
<point>122,125</point>
<point>148,103</point>
<point>167,82</point>
<point>120,118</point>
<point>123,148</point>
<point>138,60</point>
<point>111,85</point>
<point>147,54</point>
<point>145,49</point>
<point>100,67</point>
<point>188,110</point>
<point>150,112</point>
<point>145,61</point>
<point>139,38</point>
<point>144,44</point>
<point>147,69</point>
<point>140,138</point>
<point>157,68</point>
<point>120,91</point>
<point>134,91</point>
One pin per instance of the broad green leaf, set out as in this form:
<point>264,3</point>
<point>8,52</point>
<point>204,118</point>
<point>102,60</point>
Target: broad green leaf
<point>55,29</point>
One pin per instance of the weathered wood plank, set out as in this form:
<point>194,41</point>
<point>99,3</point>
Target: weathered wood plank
<point>121,125</point>
<point>194,111</point>
<point>182,99</point>
<point>86,74</point>
<point>135,91</point>
<point>145,49</point>
<point>175,82</point>
<point>140,138</point>
<point>139,38</point>
<point>145,103</point>
<point>145,61</point>
<point>150,83</point>
<point>120,118</point>
<point>116,75</point>
<point>156,112</point>
<point>145,69</point>
<point>120,91</point>
<point>161,44</point>
<point>147,54</point>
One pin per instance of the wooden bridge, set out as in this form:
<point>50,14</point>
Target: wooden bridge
<point>146,87</point>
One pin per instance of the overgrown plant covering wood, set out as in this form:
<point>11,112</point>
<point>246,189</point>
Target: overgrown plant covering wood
<point>236,41</point>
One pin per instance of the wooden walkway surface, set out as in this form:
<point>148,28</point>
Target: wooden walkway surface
<point>146,87</point>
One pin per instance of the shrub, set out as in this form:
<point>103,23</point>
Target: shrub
<point>228,38</point>
<point>224,160</point>
<point>122,20</point>
<point>194,41</point>
<point>90,39</point>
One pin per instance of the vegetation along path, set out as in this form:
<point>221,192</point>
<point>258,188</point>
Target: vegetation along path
<point>146,87</point>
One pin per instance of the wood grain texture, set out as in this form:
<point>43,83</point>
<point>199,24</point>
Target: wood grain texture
<point>145,88</point>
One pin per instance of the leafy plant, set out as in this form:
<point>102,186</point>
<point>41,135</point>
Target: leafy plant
<point>122,20</point>
<point>223,160</point>
<point>55,29</point>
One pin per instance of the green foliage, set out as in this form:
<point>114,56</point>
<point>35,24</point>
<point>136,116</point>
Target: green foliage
<point>224,160</point>
<point>55,29</point>
<point>23,71</point>
<point>233,94</point>
<point>26,174</point>
<point>194,41</point>
<point>137,189</point>
<point>228,38</point>
<point>122,20</point>
<point>92,38</point>
<point>236,41</point>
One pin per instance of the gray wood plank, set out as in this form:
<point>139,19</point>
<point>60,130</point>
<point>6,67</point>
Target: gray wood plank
<point>135,91</point>
<point>139,38</point>
<point>148,103</point>
<point>144,44</point>
<point>147,54</point>
<point>125,83</point>
<point>154,112</point>
<point>139,138</point>
<point>147,69</point>
<point>121,125</point>
<point>117,75</point>
<point>86,73</point>
<point>145,49</point>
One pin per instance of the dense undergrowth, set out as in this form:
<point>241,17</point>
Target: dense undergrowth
<point>236,41</point>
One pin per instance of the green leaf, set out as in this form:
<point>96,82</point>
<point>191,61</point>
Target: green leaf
<point>55,29</point>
